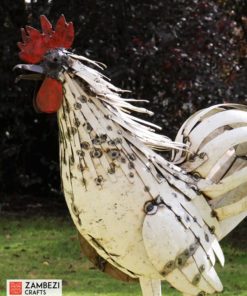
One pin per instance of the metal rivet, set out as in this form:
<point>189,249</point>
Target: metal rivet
<point>96,141</point>
<point>99,139</point>
<point>146,188</point>
<point>132,156</point>
<point>191,158</point>
<point>85,145</point>
<point>123,160</point>
<point>80,153</point>
<point>206,237</point>
<point>109,128</point>
<point>67,109</point>
<point>76,122</point>
<point>103,138</point>
<point>111,142</point>
<point>187,218</point>
<point>202,268</point>
<point>168,267</point>
<point>96,153</point>
<point>202,155</point>
<point>196,279</point>
<point>77,106</point>
<point>181,259</point>
<point>192,248</point>
<point>131,165</point>
<point>73,130</point>
<point>131,175</point>
<point>213,214</point>
<point>118,141</point>
<point>88,126</point>
<point>179,262</point>
<point>212,229</point>
<point>99,180</point>
<point>113,153</point>
<point>83,99</point>
<point>119,132</point>
<point>170,264</point>
<point>112,170</point>
<point>108,116</point>
<point>164,273</point>
<point>196,176</point>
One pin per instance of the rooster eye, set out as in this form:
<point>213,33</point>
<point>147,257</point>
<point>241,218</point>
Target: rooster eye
<point>150,208</point>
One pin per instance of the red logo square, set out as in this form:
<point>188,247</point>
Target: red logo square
<point>15,288</point>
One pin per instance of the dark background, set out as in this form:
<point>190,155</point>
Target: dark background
<point>181,55</point>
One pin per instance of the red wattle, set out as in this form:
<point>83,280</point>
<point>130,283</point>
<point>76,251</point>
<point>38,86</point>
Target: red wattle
<point>50,95</point>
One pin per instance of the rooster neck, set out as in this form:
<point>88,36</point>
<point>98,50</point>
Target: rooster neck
<point>102,149</point>
<point>91,136</point>
<point>100,141</point>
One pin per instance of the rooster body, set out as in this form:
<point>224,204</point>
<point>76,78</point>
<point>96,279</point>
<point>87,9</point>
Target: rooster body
<point>149,218</point>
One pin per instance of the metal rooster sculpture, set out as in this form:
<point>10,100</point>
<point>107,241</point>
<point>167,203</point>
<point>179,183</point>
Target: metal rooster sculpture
<point>139,215</point>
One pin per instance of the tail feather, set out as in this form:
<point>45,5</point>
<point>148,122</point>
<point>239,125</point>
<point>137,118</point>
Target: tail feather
<point>218,152</point>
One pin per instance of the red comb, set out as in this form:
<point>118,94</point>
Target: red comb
<point>35,44</point>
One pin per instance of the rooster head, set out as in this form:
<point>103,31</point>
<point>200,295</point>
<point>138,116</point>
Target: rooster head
<point>43,51</point>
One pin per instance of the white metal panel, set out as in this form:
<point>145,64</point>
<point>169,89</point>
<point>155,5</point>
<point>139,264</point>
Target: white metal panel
<point>226,140</point>
<point>226,184</point>
<point>210,124</point>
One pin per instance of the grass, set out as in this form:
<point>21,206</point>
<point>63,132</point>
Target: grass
<point>47,247</point>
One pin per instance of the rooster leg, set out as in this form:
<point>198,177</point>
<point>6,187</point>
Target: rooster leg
<point>150,287</point>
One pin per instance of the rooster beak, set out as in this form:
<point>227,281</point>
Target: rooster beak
<point>37,75</point>
<point>32,68</point>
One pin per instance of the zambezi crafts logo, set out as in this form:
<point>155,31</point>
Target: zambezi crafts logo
<point>34,287</point>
